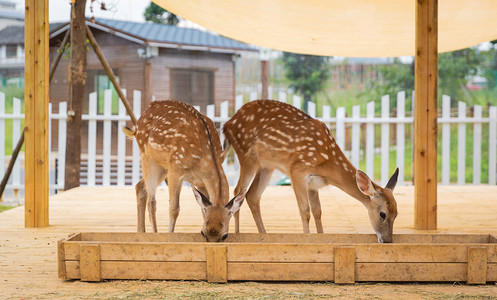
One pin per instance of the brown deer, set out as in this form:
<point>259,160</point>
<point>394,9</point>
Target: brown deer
<point>179,143</point>
<point>269,135</point>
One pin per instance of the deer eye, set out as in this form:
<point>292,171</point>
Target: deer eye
<point>225,236</point>
<point>383,215</point>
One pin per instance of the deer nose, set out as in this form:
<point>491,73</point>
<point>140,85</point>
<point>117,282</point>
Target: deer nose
<point>384,240</point>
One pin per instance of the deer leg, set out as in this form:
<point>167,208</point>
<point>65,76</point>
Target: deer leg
<point>300,189</point>
<point>141,202</point>
<point>174,184</point>
<point>154,174</point>
<point>316,209</point>
<point>253,196</point>
<point>247,172</point>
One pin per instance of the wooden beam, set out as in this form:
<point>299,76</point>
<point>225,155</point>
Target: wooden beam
<point>265,79</point>
<point>110,73</point>
<point>36,111</point>
<point>425,115</point>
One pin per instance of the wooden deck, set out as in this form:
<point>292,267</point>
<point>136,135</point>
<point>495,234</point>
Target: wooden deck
<point>28,256</point>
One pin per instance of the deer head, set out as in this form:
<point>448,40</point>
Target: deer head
<point>382,207</point>
<point>217,217</point>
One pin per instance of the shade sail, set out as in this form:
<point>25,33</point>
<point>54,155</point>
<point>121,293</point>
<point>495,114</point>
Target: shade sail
<point>352,28</point>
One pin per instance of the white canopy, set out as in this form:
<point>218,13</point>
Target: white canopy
<point>353,28</point>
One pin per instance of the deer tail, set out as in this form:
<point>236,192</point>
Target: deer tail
<point>129,132</point>
<point>226,149</point>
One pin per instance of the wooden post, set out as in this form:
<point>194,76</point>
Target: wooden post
<point>77,80</point>
<point>216,264</point>
<point>345,265</point>
<point>264,79</point>
<point>477,265</point>
<point>147,83</point>
<point>89,262</point>
<point>36,111</point>
<point>425,116</point>
<point>110,73</point>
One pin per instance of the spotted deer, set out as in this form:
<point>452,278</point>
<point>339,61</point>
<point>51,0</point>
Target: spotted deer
<point>268,135</point>
<point>179,143</point>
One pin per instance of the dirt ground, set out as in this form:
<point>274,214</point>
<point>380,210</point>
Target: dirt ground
<point>249,290</point>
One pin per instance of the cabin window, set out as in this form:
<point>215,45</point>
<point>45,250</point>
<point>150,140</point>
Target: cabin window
<point>195,87</point>
<point>11,51</point>
<point>102,83</point>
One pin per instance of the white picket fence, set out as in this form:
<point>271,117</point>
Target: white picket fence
<point>128,167</point>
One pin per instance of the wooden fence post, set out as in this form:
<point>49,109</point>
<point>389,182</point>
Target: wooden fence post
<point>344,265</point>
<point>216,264</point>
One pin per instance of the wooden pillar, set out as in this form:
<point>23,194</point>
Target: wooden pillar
<point>264,79</point>
<point>36,111</point>
<point>147,84</point>
<point>425,115</point>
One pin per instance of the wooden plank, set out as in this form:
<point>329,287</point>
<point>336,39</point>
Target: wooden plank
<point>280,252</point>
<point>370,141</point>
<point>477,145</point>
<point>492,145</point>
<point>263,271</point>
<point>461,145</point>
<point>340,128</point>
<point>135,174</point>
<point>90,262</point>
<point>142,251</point>
<point>401,96</point>
<point>491,272</point>
<point>61,170</point>
<point>36,110</point>
<point>144,270</point>
<point>425,115</point>
<point>446,140</point>
<point>107,137</point>
<point>61,265</point>
<point>92,138</point>
<point>385,140</point>
<point>289,238</point>
<point>344,265</point>
<point>216,263</point>
<point>121,145</point>
<point>477,265</point>
<point>411,272</point>
<point>356,136</point>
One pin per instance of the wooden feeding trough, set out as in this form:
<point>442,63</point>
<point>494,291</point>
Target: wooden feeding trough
<point>342,258</point>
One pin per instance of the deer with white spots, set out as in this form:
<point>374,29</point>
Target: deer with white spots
<point>268,135</point>
<point>179,143</point>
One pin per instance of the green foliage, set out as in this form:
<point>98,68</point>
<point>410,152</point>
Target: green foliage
<point>307,74</point>
<point>454,69</point>
<point>157,14</point>
<point>395,77</point>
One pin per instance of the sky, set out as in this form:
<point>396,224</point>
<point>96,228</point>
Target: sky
<point>127,10</point>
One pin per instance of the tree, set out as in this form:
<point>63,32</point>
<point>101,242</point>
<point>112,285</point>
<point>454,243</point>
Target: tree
<point>77,78</point>
<point>454,68</point>
<point>155,14</point>
<point>307,73</point>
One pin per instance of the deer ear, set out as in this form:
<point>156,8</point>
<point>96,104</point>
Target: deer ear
<point>201,198</point>
<point>393,180</point>
<point>235,203</point>
<point>364,184</point>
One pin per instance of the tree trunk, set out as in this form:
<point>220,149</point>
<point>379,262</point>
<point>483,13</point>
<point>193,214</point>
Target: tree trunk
<point>77,78</point>
<point>307,99</point>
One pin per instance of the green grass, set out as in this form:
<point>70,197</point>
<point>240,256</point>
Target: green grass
<point>10,93</point>
<point>5,207</point>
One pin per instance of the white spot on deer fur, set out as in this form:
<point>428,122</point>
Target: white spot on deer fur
<point>333,152</point>
<point>310,154</point>
<point>340,158</point>
<point>196,156</point>
<point>178,162</point>
<point>345,167</point>
<point>180,155</point>
<point>239,135</point>
<point>234,121</point>
<point>324,155</point>
<point>240,125</point>
<point>312,148</point>
<point>301,156</point>
<point>320,142</point>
